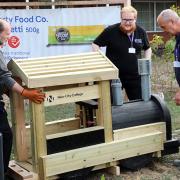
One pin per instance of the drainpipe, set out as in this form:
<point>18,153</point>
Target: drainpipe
<point>117,95</point>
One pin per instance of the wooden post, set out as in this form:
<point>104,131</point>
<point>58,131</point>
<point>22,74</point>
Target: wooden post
<point>18,126</point>
<point>105,116</point>
<point>38,137</point>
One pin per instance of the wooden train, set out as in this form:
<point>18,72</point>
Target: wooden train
<point>100,135</point>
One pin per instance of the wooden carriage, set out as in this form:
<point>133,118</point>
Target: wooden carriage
<point>71,79</point>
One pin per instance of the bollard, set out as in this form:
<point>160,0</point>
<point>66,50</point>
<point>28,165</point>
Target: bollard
<point>117,96</point>
<point>1,158</point>
<point>144,69</point>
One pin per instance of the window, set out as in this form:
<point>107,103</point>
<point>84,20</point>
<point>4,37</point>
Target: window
<point>148,12</point>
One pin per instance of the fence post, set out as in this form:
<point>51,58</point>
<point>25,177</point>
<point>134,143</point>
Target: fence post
<point>1,158</point>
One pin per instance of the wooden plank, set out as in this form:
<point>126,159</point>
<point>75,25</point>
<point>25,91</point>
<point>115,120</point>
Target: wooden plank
<point>61,3</point>
<point>75,139</point>
<point>18,173</point>
<point>72,78</point>
<point>73,132</point>
<point>111,167</point>
<point>38,139</point>
<point>24,164</point>
<point>58,87</point>
<point>114,170</point>
<point>108,60</point>
<point>53,127</point>
<point>100,166</point>
<point>65,65</point>
<point>102,153</point>
<point>157,154</point>
<point>68,69</point>
<point>39,59</point>
<point>105,165</point>
<point>42,169</point>
<point>18,125</point>
<point>91,72</point>
<point>77,73</point>
<point>140,130</point>
<point>62,125</point>
<point>70,95</point>
<point>55,59</point>
<point>31,67</point>
<point>104,105</point>
<point>28,166</point>
<point>17,71</point>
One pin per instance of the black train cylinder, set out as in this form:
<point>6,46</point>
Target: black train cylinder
<point>135,113</point>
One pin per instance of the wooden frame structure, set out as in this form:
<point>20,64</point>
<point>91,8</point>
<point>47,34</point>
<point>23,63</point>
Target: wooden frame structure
<point>67,79</point>
<point>64,79</point>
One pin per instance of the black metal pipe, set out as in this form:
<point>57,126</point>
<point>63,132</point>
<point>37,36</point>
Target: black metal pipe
<point>1,158</point>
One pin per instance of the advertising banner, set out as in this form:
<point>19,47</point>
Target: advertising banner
<point>52,32</point>
<point>73,34</point>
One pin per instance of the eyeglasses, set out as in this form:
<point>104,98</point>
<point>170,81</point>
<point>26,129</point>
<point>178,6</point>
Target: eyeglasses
<point>128,20</point>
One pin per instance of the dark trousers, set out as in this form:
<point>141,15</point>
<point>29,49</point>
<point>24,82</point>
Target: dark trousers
<point>132,85</point>
<point>7,136</point>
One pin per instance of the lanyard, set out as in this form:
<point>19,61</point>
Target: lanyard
<point>131,38</point>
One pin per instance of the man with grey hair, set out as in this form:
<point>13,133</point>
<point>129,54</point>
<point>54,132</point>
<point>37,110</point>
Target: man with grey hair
<point>7,82</point>
<point>169,21</point>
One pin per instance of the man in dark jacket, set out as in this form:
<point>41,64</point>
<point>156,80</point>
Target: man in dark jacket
<point>7,82</point>
<point>169,21</point>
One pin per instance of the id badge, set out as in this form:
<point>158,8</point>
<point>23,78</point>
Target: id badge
<point>132,50</point>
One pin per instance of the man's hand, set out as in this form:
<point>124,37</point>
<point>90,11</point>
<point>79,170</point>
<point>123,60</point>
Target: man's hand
<point>177,98</point>
<point>34,95</point>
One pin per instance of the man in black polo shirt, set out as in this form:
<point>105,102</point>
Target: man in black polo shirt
<point>124,44</point>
